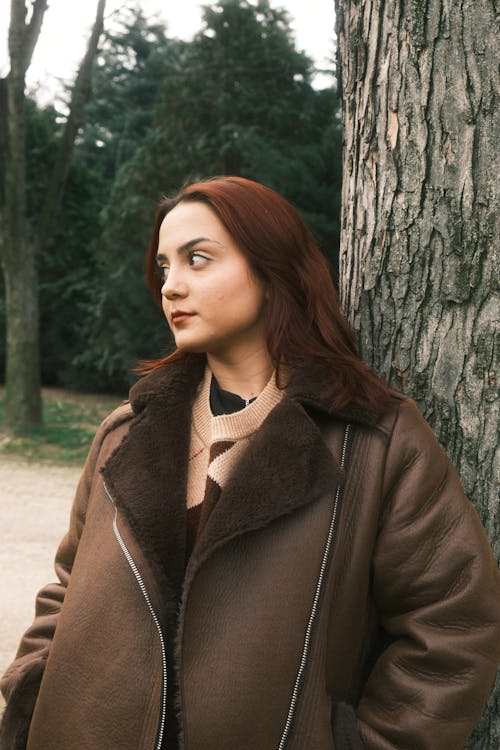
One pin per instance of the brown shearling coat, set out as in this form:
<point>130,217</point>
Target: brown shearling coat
<point>392,645</point>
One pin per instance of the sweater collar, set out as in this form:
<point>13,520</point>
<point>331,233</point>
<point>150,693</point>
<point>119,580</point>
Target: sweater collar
<point>238,424</point>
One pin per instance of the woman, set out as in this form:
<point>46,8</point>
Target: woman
<point>268,549</point>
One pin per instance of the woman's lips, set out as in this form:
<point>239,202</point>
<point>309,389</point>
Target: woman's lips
<point>180,317</point>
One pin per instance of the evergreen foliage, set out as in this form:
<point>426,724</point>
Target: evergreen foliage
<point>238,99</point>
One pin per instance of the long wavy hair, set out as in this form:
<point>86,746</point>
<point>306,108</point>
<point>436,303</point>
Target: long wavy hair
<point>304,322</point>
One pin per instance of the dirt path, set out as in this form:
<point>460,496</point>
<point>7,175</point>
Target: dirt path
<point>35,501</point>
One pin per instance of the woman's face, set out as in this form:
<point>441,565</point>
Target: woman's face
<point>212,300</point>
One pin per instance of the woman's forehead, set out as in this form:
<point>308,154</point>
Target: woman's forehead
<point>188,213</point>
<point>190,220</point>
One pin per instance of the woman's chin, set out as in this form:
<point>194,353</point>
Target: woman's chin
<point>183,344</point>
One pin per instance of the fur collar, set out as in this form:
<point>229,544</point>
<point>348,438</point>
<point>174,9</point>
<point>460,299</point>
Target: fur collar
<point>286,466</point>
<point>308,387</point>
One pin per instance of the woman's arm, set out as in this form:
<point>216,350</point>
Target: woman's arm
<point>437,588</point>
<point>21,682</point>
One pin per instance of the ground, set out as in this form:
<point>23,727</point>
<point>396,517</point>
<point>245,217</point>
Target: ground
<point>35,501</point>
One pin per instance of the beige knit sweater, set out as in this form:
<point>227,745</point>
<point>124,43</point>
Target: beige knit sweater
<point>218,441</point>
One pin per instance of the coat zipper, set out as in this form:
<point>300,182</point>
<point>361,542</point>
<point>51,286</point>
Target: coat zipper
<point>324,562</point>
<point>145,594</point>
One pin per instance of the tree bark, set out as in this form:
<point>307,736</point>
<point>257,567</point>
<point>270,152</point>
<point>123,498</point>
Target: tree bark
<point>18,250</point>
<point>418,264</point>
<point>23,404</point>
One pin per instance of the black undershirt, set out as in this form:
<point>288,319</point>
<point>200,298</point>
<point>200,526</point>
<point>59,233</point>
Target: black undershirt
<point>225,402</point>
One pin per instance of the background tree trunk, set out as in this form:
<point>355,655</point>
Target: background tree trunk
<point>19,250</point>
<point>418,265</point>
<point>23,405</point>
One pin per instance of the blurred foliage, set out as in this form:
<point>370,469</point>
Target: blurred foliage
<point>237,99</point>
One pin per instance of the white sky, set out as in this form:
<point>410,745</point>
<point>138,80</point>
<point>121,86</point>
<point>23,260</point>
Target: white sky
<point>67,24</point>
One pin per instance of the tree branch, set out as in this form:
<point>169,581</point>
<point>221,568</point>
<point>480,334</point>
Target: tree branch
<point>3,156</point>
<point>79,98</point>
<point>3,137</point>
<point>33,31</point>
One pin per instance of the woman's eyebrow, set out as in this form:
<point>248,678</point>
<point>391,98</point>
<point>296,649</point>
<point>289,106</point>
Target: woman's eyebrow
<point>186,247</point>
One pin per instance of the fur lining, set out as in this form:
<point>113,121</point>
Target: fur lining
<point>146,474</point>
<point>16,719</point>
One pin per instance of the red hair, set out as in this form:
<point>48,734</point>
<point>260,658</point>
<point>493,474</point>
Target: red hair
<point>305,323</point>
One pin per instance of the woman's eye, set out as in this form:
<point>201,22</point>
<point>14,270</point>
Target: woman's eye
<point>196,259</point>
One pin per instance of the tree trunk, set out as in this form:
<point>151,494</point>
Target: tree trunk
<point>418,270</point>
<point>22,398</point>
<point>23,404</point>
<point>18,251</point>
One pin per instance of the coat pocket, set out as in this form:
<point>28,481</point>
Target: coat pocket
<point>345,728</point>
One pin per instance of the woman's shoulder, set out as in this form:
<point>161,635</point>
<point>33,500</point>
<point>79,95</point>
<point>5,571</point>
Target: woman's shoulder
<point>405,421</point>
<point>113,428</point>
<point>122,413</point>
<point>413,450</point>
<point>404,417</point>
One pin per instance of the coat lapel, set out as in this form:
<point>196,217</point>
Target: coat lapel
<point>147,473</point>
<point>285,466</point>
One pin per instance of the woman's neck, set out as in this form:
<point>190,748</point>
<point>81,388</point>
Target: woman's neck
<point>247,377</point>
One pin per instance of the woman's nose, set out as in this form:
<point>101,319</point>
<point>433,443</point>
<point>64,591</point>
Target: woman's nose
<point>174,285</point>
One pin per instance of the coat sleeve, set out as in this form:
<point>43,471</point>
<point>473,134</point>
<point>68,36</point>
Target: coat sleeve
<point>437,589</point>
<point>21,682</point>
